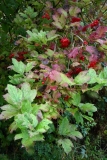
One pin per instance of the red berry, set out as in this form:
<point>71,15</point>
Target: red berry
<point>92,64</point>
<point>69,74</point>
<point>82,58</point>
<point>65,42</point>
<point>46,16</point>
<point>94,23</point>
<point>38,97</point>
<point>85,43</point>
<point>77,70</point>
<point>66,98</point>
<point>75,19</point>
<point>22,53</point>
<point>20,58</point>
<point>43,82</point>
<point>11,55</point>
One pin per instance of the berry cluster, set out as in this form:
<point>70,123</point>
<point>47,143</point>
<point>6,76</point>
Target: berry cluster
<point>94,23</point>
<point>11,55</point>
<point>74,71</point>
<point>82,58</point>
<point>92,64</point>
<point>46,16</point>
<point>19,56</point>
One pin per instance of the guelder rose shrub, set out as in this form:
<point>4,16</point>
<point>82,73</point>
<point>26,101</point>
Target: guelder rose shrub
<point>58,61</point>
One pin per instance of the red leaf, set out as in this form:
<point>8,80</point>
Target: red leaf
<point>93,36</point>
<point>53,88</point>
<point>56,67</point>
<point>91,49</point>
<point>73,53</point>
<point>101,30</point>
<point>93,57</point>
<point>99,33</point>
<point>55,75</point>
<point>85,28</point>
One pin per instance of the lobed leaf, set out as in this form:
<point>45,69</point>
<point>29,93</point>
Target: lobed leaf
<point>76,98</point>
<point>87,107</point>
<point>27,93</point>
<point>15,94</point>
<point>66,145</point>
<point>82,78</point>
<point>18,67</point>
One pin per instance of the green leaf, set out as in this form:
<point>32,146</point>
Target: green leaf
<point>102,81</point>
<point>43,126</point>
<point>8,111</point>
<point>8,99</point>
<point>44,107</point>
<point>26,106</point>
<point>38,37</point>
<point>16,79</point>
<point>88,118</point>
<point>29,142</point>
<point>34,120</point>
<point>29,12</point>
<point>35,108</point>
<point>26,120</point>
<point>102,77</point>
<point>93,76</point>
<point>21,121</point>
<point>64,127</point>
<point>12,127</point>
<point>66,144</point>
<point>38,137</point>
<point>97,87</point>
<point>49,52</point>
<point>82,78</point>
<point>76,134</point>
<point>86,1</point>
<point>18,136</point>
<point>66,80</point>
<point>18,67</point>
<point>87,107</point>
<point>57,24</point>
<point>63,20</point>
<point>28,94</point>
<point>104,46</point>
<point>14,93</point>
<point>52,113</point>
<point>63,12</point>
<point>29,66</point>
<point>78,117</point>
<point>51,128</point>
<point>73,11</point>
<point>52,35</point>
<point>76,98</point>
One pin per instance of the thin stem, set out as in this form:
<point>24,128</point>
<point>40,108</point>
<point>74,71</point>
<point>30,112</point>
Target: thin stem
<point>79,38</point>
<point>57,3</point>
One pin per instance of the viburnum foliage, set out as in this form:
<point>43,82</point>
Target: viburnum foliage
<point>62,57</point>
